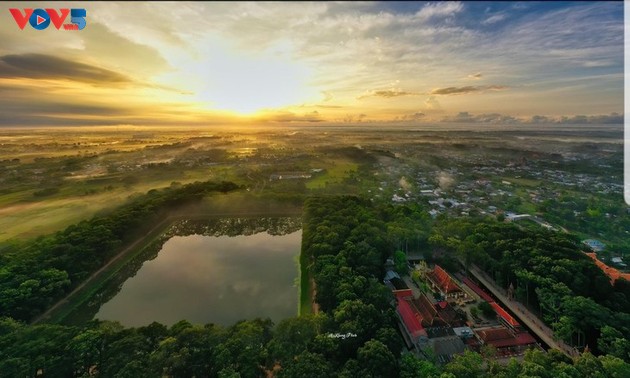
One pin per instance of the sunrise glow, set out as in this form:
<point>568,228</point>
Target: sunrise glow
<point>409,62</point>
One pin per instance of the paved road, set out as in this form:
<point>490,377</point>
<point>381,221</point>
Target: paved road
<point>523,314</point>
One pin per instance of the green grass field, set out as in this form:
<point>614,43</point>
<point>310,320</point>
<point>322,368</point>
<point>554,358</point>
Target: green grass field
<point>22,216</point>
<point>304,301</point>
<point>336,171</point>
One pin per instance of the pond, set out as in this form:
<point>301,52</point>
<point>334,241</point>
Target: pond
<point>219,271</point>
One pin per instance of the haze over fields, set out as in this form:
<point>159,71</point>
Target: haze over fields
<point>147,64</point>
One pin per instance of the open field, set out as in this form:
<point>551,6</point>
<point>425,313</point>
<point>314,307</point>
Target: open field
<point>335,172</point>
<point>51,178</point>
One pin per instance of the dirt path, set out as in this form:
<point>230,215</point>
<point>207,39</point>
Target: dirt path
<point>90,279</point>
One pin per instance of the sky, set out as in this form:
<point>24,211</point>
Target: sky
<point>166,63</point>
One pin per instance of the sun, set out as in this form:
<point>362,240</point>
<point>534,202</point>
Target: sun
<point>245,83</point>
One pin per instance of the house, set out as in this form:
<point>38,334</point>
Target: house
<point>505,318</point>
<point>447,313</point>
<point>464,333</point>
<point>410,322</point>
<point>445,343</point>
<point>595,245</point>
<point>428,313</point>
<point>506,342</point>
<point>442,282</point>
<point>391,275</point>
<point>618,261</point>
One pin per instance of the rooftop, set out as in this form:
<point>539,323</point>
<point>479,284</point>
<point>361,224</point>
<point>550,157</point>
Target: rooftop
<point>504,314</point>
<point>479,291</point>
<point>443,280</point>
<point>501,337</point>
<point>410,318</point>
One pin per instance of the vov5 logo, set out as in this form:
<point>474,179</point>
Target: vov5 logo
<point>40,19</point>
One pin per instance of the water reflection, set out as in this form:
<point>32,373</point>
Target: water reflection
<point>212,279</point>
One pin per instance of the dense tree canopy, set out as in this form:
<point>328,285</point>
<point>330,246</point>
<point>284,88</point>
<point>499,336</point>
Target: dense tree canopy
<point>550,273</point>
<point>36,274</point>
<point>355,334</point>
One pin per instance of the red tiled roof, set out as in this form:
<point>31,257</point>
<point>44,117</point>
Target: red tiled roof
<point>501,338</point>
<point>410,318</point>
<point>403,293</point>
<point>425,310</point>
<point>492,334</point>
<point>443,280</point>
<point>502,313</point>
<point>479,291</point>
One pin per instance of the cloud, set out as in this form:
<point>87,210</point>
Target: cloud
<point>432,103</point>
<point>600,119</point>
<point>494,18</point>
<point>290,117</point>
<point>441,9</point>
<point>520,5</point>
<point>354,118</point>
<point>413,117</point>
<point>465,90</point>
<point>548,57</point>
<point>389,93</point>
<point>495,118</point>
<point>326,106</point>
<point>327,96</point>
<point>540,119</point>
<point>42,66</point>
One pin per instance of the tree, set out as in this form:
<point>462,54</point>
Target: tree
<point>582,318</point>
<point>467,365</point>
<point>550,300</point>
<point>486,309</point>
<point>612,342</point>
<point>377,360</point>
<point>351,369</point>
<point>413,367</point>
<point>87,348</point>
<point>614,367</point>
<point>589,366</point>
<point>400,263</point>
<point>306,365</point>
<point>293,336</point>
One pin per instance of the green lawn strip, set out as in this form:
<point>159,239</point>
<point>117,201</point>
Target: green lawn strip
<point>304,302</point>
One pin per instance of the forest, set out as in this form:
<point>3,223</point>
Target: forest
<point>551,275</point>
<point>346,240</point>
<point>34,275</point>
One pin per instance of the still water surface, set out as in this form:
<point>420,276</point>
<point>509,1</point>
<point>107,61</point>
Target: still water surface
<point>210,279</point>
